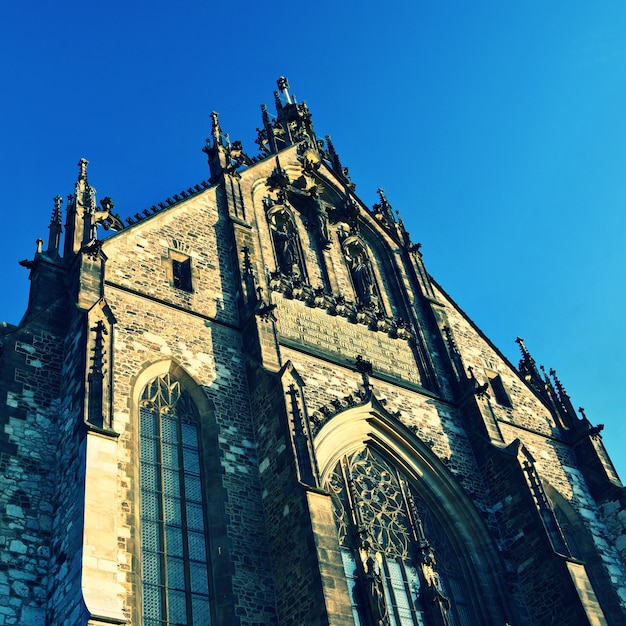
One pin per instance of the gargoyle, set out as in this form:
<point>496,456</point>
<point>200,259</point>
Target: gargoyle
<point>106,217</point>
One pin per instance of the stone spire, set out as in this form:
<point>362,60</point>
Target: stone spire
<point>554,395</point>
<point>569,413</point>
<point>266,139</point>
<point>224,156</point>
<point>80,209</point>
<point>216,131</point>
<point>528,368</point>
<point>383,209</point>
<point>333,157</point>
<point>214,148</point>
<point>55,227</point>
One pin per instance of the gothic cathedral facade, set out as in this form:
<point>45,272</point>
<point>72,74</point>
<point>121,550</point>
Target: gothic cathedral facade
<point>252,405</point>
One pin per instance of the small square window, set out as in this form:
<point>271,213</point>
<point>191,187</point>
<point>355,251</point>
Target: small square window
<point>181,274</point>
<point>499,392</point>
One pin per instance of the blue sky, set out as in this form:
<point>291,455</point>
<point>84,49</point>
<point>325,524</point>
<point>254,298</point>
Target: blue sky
<point>497,131</point>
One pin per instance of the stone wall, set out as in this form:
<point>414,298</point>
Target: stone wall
<point>527,420</point>
<point>304,586</point>
<point>30,368</point>
<point>160,328</point>
<point>65,595</point>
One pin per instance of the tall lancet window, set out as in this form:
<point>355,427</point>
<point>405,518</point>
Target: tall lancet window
<point>173,523</point>
<point>393,576</point>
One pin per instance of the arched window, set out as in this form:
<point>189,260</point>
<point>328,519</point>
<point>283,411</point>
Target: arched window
<point>394,573</point>
<point>173,522</point>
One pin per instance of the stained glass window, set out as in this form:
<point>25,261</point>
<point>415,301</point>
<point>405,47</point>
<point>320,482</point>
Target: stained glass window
<point>173,525</point>
<point>374,505</point>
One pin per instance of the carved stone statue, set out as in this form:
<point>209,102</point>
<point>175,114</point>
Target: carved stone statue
<point>376,593</point>
<point>363,279</point>
<point>286,244</point>
<point>360,271</point>
<point>321,218</point>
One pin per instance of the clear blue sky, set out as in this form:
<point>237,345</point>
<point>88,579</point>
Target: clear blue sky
<point>498,130</point>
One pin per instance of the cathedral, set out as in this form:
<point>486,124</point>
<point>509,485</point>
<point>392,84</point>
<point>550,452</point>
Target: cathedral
<point>252,405</point>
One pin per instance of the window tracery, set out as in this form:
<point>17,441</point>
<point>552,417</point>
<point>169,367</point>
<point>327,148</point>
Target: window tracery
<point>173,524</point>
<point>389,560</point>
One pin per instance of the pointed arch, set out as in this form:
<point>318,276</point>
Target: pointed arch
<point>370,426</point>
<point>172,367</point>
<point>177,466</point>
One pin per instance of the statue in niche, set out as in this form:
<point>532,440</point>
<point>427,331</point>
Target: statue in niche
<point>361,272</point>
<point>321,218</point>
<point>363,282</point>
<point>376,592</point>
<point>285,239</point>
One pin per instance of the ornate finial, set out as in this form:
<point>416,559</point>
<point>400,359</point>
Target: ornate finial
<point>265,136</point>
<point>248,278</point>
<point>402,231</point>
<point>82,164</point>
<point>265,116</point>
<point>333,156</point>
<point>55,226</point>
<point>303,452</point>
<point>545,376</point>
<point>452,344</point>
<point>263,310</point>
<point>335,163</point>
<point>106,203</point>
<point>216,131</point>
<point>557,383</point>
<point>592,430</point>
<point>279,178</point>
<point>96,378</point>
<point>564,399</point>
<point>283,87</point>
<point>384,208</point>
<point>563,395</point>
<point>555,398</point>
<point>523,348</point>
<point>528,367</point>
<point>277,102</point>
<point>247,265</point>
<point>294,394</point>
<point>56,211</point>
